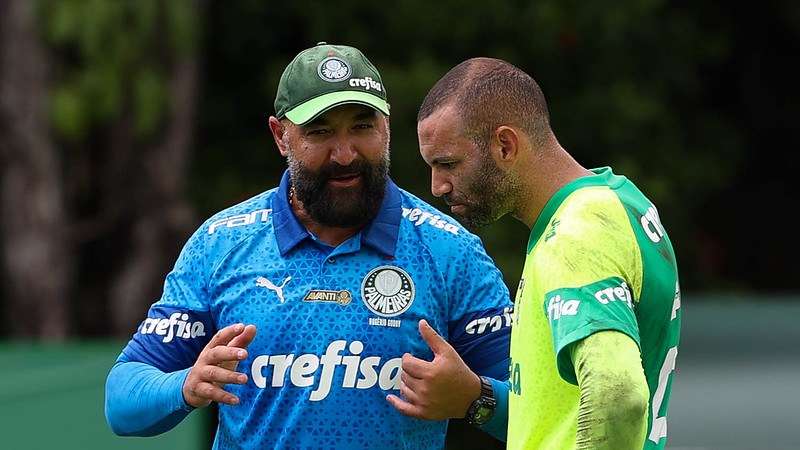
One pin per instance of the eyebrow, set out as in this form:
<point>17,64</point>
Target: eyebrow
<point>368,114</point>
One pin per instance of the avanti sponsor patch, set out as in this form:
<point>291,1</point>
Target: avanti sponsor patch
<point>342,297</point>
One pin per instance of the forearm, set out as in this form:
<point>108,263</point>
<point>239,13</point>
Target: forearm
<point>614,393</point>
<point>141,400</point>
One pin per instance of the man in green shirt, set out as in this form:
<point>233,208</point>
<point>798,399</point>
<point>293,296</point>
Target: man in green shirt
<point>597,313</point>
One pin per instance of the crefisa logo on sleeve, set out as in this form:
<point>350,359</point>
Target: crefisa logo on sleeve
<point>387,291</point>
<point>176,326</point>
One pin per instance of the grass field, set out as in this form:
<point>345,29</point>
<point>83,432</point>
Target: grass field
<point>736,386</point>
<point>52,398</point>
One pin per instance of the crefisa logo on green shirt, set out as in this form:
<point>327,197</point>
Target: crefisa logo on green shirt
<point>620,292</point>
<point>558,307</point>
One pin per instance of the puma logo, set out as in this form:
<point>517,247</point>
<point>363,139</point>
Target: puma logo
<point>263,282</point>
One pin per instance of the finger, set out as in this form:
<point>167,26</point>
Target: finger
<point>215,374</point>
<point>409,395</point>
<point>415,384</point>
<point>435,342</point>
<point>245,338</point>
<point>417,368</point>
<point>403,406</point>
<point>214,393</point>
<point>218,355</point>
<point>224,336</point>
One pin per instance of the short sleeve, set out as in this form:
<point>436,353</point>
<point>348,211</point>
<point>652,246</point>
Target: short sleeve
<point>179,325</point>
<point>576,313</point>
<point>588,265</point>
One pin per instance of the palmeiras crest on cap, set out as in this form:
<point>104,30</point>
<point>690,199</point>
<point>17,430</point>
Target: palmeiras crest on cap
<point>333,69</point>
<point>387,291</point>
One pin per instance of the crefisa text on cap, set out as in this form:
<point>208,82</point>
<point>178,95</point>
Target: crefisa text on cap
<point>366,82</point>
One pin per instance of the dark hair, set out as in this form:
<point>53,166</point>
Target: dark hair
<point>488,93</point>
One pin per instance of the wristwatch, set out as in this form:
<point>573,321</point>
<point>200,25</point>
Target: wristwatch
<point>482,409</point>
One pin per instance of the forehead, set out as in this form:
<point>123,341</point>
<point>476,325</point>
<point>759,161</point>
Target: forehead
<point>441,133</point>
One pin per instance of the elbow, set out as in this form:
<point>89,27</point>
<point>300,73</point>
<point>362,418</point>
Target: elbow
<point>121,419</point>
<point>628,399</point>
<point>117,426</point>
<point>113,411</point>
<point>119,406</point>
<point>631,405</point>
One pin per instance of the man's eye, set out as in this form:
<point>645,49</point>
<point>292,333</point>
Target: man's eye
<point>447,165</point>
<point>316,132</point>
<point>363,126</point>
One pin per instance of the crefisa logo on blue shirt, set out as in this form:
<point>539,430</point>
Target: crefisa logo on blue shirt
<point>178,325</point>
<point>387,291</point>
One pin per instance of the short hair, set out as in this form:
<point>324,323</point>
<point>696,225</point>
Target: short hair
<point>489,93</point>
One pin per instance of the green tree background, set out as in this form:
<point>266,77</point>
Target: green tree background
<point>155,113</point>
<point>123,124</point>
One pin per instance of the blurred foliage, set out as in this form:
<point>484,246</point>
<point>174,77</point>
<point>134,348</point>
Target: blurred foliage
<point>112,56</point>
<point>643,86</point>
<point>678,96</point>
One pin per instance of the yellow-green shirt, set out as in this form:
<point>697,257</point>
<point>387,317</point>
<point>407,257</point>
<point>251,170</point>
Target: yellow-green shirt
<point>598,259</point>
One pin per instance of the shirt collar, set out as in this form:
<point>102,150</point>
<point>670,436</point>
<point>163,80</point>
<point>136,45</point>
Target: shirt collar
<point>380,234</point>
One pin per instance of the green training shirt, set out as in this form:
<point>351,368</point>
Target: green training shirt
<point>598,259</point>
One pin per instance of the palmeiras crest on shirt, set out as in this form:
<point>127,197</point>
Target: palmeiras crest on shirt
<point>387,291</point>
<point>333,69</point>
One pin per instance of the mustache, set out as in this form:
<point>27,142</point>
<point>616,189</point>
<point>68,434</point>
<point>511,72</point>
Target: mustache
<point>450,200</point>
<point>331,170</point>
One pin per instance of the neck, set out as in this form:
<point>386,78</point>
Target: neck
<point>545,174</point>
<point>332,236</point>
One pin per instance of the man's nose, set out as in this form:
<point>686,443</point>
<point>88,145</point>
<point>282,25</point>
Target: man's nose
<point>439,184</point>
<point>343,151</point>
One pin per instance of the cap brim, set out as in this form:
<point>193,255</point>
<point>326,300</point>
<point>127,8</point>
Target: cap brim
<point>308,111</point>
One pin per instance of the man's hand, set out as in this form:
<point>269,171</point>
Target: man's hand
<point>216,365</point>
<point>436,390</point>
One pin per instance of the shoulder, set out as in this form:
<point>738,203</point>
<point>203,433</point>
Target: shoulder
<point>589,238</point>
<point>257,209</point>
<point>432,227</point>
<point>236,223</point>
<point>589,216</point>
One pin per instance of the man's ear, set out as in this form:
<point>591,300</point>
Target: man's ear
<point>505,145</point>
<point>278,131</point>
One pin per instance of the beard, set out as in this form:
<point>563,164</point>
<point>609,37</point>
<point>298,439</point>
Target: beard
<point>346,207</point>
<point>486,197</point>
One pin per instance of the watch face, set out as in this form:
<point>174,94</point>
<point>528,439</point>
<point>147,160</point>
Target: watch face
<point>482,408</point>
<point>483,412</point>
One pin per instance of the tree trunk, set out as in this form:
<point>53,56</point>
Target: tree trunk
<point>162,218</point>
<point>35,258</point>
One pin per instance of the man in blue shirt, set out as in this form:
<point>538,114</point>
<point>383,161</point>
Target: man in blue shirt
<point>293,309</point>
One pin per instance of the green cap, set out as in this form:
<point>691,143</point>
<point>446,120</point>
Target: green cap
<point>327,76</point>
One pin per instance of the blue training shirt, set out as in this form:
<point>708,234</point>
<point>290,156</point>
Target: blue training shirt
<point>332,323</point>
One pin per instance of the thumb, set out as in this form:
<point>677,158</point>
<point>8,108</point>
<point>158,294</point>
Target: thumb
<point>437,344</point>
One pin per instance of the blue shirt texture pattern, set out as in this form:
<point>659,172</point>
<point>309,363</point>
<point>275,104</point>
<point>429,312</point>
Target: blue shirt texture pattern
<point>332,323</point>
